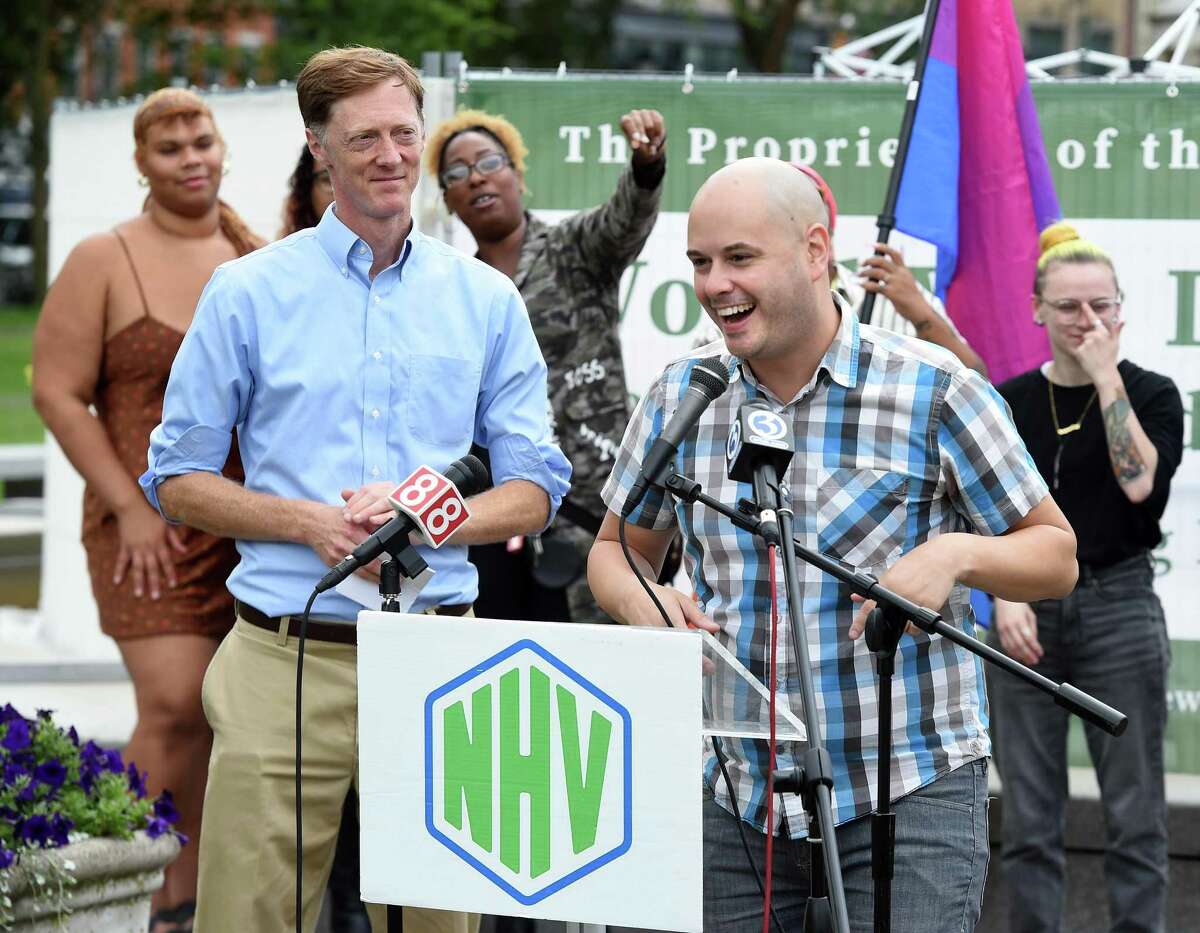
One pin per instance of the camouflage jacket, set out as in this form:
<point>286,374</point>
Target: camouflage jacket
<point>568,275</point>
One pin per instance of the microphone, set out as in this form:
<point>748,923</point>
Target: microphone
<point>707,382</point>
<point>429,503</point>
<point>760,447</point>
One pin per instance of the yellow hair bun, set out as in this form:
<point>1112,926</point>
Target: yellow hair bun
<point>1056,234</point>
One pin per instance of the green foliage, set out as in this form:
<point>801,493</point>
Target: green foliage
<point>546,32</point>
<point>22,24</point>
<point>19,423</point>
<point>408,27</point>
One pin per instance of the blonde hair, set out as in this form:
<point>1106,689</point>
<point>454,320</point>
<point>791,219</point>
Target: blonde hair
<point>1060,242</point>
<point>467,121</point>
<point>330,75</point>
<point>170,103</point>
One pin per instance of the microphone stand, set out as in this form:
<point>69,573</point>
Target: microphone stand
<point>405,564</point>
<point>812,779</point>
<point>884,627</point>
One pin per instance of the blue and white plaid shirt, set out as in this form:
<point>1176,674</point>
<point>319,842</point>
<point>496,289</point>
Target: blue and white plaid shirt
<point>897,442</point>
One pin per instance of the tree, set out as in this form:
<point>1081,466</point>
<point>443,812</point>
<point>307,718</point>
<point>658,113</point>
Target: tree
<point>765,25</point>
<point>546,32</point>
<point>36,42</point>
<point>407,27</point>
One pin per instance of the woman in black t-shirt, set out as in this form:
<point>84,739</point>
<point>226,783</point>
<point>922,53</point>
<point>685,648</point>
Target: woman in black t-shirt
<point>1107,435</point>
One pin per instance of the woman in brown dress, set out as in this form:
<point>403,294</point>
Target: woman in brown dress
<point>109,330</point>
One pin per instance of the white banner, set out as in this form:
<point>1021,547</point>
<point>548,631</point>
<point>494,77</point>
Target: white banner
<point>531,769</point>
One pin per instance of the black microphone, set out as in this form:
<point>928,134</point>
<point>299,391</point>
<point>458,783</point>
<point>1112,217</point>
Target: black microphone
<point>707,381</point>
<point>760,448</point>
<point>468,475</point>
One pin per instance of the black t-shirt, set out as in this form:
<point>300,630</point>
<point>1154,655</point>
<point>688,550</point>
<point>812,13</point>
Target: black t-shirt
<point>1108,527</point>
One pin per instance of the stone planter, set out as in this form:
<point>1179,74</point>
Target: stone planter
<point>114,880</point>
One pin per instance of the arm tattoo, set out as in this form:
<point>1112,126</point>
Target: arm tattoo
<point>1127,463</point>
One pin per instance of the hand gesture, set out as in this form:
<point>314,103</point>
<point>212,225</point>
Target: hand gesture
<point>681,608</point>
<point>647,135</point>
<point>1016,624</point>
<point>1098,352</point>
<point>368,505</point>
<point>331,536</point>
<point>925,575</point>
<point>146,549</point>
<point>887,275</point>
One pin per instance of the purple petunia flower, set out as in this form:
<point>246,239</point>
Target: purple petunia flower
<point>9,713</point>
<point>7,857</point>
<point>156,827</point>
<point>113,762</point>
<point>137,780</point>
<point>164,807</point>
<point>52,773</point>
<point>17,736</point>
<point>60,826</point>
<point>9,814</point>
<point>73,736</point>
<point>34,831</point>
<point>13,771</point>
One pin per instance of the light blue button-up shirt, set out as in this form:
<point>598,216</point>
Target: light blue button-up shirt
<point>333,380</point>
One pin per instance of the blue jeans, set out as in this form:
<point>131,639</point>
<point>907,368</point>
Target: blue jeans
<point>941,863</point>
<point>1108,638</point>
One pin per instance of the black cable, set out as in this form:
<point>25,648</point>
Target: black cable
<point>737,817</point>
<point>638,573</point>
<point>716,744</point>
<point>299,813</point>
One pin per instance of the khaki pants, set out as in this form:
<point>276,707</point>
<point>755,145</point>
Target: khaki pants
<point>248,848</point>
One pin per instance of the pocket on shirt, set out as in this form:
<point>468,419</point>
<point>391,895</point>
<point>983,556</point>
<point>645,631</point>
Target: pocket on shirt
<point>443,392</point>
<point>861,515</point>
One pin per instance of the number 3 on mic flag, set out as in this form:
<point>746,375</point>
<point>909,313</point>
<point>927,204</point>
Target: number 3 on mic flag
<point>433,503</point>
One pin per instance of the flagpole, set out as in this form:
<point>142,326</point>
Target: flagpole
<point>887,217</point>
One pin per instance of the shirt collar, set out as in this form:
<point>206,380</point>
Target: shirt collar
<point>341,243</point>
<point>840,360</point>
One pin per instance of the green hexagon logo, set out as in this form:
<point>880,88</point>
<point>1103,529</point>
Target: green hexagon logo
<point>528,772</point>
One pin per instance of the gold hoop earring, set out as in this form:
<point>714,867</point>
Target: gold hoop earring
<point>143,181</point>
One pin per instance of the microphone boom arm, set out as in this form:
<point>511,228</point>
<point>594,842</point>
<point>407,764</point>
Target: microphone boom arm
<point>864,584</point>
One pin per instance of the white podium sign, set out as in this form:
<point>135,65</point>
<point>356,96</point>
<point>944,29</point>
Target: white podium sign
<point>531,769</point>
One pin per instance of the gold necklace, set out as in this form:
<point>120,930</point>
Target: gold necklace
<point>1070,428</point>
<point>1064,431</point>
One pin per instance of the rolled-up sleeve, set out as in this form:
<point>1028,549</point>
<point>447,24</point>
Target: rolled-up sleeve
<point>208,391</point>
<point>512,419</point>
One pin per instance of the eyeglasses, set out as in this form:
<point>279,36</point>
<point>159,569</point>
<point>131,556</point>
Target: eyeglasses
<point>1068,309</point>
<point>459,172</point>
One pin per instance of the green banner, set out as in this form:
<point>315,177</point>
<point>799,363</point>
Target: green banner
<point>1116,151</point>
<point>1125,159</point>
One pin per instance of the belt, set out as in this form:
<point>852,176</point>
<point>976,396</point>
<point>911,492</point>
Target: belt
<point>343,633</point>
<point>1090,572</point>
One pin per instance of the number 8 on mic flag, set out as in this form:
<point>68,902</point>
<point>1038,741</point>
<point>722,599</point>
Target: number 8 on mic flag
<point>433,503</point>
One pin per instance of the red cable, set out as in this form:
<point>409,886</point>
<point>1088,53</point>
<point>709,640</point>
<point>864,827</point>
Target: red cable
<point>771,754</point>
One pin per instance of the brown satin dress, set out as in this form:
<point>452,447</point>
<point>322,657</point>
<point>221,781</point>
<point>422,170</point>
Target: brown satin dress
<point>129,400</point>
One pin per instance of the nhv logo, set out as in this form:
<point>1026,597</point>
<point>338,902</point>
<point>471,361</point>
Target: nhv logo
<point>528,772</point>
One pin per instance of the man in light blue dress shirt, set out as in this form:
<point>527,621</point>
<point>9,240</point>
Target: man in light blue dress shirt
<point>345,356</point>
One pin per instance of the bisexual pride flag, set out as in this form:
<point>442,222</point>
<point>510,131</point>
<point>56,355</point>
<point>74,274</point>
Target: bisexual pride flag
<point>976,183</point>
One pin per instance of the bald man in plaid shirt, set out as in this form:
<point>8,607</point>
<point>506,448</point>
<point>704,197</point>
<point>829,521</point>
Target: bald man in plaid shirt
<point>907,466</point>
